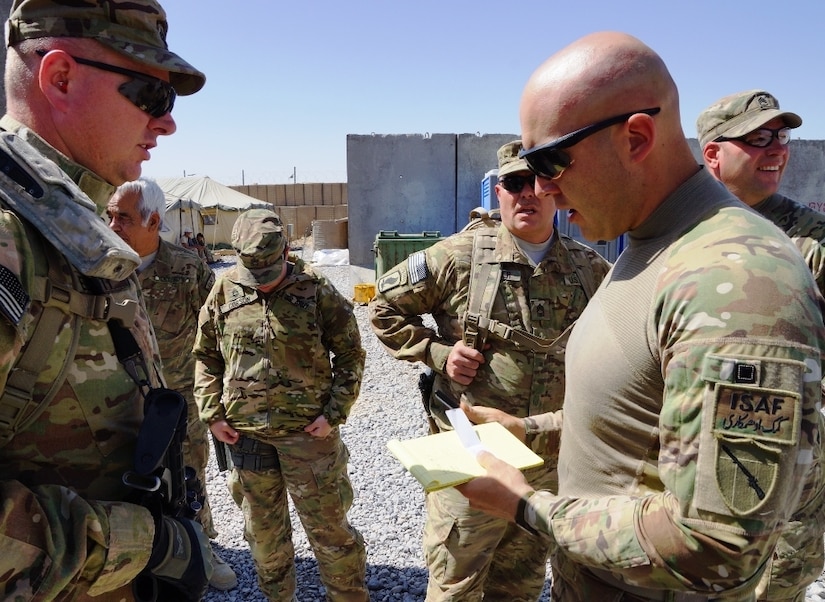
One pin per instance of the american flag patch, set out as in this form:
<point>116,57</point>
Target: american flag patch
<point>417,267</point>
<point>13,299</point>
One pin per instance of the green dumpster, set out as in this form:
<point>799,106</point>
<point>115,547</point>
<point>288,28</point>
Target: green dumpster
<point>391,248</point>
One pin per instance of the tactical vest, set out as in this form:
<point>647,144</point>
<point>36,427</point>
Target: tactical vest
<point>485,277</point>
<point>76,278</point>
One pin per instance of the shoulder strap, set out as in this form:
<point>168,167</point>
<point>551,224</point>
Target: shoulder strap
<point>485,276</point>
<point>18,408</point>
<point>584,270</point>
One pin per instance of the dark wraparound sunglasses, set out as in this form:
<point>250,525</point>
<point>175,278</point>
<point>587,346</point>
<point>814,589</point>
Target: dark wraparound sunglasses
<point>515,183</point>
<point>549,160</point>
<point>149,94</point>
<point>762,137</point>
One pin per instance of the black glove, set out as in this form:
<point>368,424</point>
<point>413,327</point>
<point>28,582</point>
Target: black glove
<point>181,563</point>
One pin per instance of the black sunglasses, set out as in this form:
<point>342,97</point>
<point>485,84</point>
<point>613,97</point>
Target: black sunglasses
<point>515,183</point>
<point>549,161</point>
<point>149,94</point>
<point>762,137</point>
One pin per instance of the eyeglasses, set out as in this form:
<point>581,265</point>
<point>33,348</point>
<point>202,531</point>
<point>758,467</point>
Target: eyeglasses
<point>149,94</point>
<point>762,137</point>
<point>549,161</point>
<point>515,183</point>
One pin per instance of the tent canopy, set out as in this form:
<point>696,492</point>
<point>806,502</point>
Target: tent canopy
<point>181,215</point>
<point>220,205</point>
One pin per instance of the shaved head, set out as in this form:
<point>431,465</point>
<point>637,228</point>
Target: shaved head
<point>599,75</point>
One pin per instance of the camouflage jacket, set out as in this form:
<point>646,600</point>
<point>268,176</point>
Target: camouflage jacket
<point>66,527</point>
<point>805,227</point>
<point>542,300</point>
<point>175,286</point>
<point>263,360</point>
<point>690,416</point>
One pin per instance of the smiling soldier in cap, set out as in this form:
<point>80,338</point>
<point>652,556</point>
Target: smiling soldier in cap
<point>90,86</point>
<point>279,366</point>
<point>745,140</point>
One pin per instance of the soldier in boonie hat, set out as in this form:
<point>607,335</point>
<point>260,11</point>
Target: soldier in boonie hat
<point>739,114</point>
<point>259,240</point>
<point>136,29</point>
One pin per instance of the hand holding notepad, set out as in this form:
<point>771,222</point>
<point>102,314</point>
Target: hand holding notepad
<point>442,460</point>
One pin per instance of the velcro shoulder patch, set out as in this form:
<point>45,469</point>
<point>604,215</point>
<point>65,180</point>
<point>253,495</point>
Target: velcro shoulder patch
<point>392,279</point>
<point>14,301</point>
<point>417,267</point>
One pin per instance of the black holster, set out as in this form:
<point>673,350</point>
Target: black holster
<point>251,454</point>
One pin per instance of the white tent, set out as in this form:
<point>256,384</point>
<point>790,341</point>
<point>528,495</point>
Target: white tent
<point>219,204</point>
<point>181,215</point>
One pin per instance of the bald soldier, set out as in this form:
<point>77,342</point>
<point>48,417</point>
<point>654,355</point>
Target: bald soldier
<point>690,415</point>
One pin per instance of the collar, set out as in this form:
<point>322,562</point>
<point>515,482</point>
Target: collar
<point>697,196</point>
<point>96,188</point>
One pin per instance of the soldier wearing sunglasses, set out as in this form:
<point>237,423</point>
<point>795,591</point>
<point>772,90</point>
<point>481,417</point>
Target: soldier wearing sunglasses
<point>545,279</point>
<point>745,145</point>
<point>90,87</point>
<point>691,430</point>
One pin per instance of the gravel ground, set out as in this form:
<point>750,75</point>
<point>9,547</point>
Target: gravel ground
<point>389,503</point>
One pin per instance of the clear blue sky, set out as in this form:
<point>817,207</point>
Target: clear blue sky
<point>288,80</point>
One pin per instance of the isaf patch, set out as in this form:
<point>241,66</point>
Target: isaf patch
<point>752,427</point>
<point>757,413</point>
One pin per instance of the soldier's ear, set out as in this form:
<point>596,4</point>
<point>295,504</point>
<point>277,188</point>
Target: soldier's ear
<point>154,222</point>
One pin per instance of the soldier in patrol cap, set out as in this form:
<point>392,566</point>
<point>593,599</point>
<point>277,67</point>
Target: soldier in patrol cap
<point>693,379</point>
<point>267,387</point>
<point>534,282</point>
<point>175,283</point>
<point>745,140</point>
<point>90,87</point>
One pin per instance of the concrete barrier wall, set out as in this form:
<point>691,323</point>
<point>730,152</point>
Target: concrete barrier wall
<point>412,183</point>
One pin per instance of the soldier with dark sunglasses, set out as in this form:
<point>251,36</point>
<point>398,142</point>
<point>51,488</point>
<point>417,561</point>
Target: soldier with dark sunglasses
<point>90,87</point>
<point>691,428</point>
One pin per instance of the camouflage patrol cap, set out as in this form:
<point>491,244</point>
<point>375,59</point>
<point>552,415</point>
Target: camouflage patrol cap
<point>508,159</point>
<point>739,114</point>
<point>136,29</point>
<point>258,239</point>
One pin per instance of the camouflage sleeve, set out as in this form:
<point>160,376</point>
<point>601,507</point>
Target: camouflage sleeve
<point>52,537</point>
<point>104,544</point>
<point>544,423</point>
<point>737,428</point>
<point>206,278</point>
<point>342,338</point>
<point>209,361</point>
<point>434,287</point>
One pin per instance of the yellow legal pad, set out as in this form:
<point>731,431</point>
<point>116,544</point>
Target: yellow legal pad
<point>439,461</point>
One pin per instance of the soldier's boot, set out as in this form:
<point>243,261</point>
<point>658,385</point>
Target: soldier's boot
<point>223,577</point>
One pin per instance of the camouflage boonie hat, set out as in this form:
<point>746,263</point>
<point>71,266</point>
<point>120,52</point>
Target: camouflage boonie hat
<point>136,29</point>
<point>508,159</point>
<point>258,239</point>
<point>739,114</point>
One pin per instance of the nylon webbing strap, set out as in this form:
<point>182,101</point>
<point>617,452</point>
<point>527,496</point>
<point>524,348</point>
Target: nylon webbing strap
<point>95,307</point>
<point>485,276</point>
<point>520,337</point>
<point>18,408</point>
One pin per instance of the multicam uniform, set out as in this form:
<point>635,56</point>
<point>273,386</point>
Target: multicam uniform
<point>798,558</point>
<point>690,422</point>
<point>175,285</point>
<point>470,554</point>
<point>66,529</point>
<point>263,364</point>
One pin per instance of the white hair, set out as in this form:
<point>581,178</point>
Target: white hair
<point>150,198</point>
